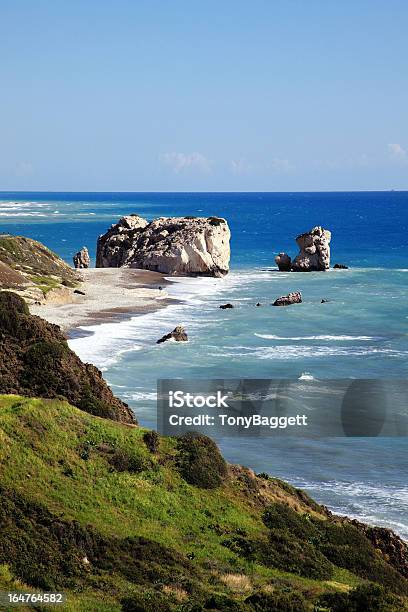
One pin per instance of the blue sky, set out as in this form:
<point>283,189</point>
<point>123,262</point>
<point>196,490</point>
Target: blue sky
<point>276,95</point>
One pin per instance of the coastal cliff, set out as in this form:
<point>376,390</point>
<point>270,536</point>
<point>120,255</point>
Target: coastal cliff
<point>30,269</point>
<point>35,360</point>
<point>180,246</point>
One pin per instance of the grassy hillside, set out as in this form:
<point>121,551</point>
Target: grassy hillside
<point>31,268</point>
<point>121,519</point>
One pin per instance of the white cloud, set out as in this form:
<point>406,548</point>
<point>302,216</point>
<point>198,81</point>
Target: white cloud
<point>240,167</point>
<point>180,162</point>
<point>397,151</point>
<point>276,165</point>
<point>280,166</point>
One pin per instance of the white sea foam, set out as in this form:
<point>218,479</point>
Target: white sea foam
<point>306,376</point>
<point>364,501</point>
<point>320,337</point>
<point>21,214</point>
<point>290,352</point>
<point>25,209</point>
<point>109,341</point>
<point>140,396</point>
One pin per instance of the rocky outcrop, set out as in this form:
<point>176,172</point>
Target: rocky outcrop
<point>180,246</point>
<point>284,262</point>
<point>339,266</point>
<point>286,300</point>
<point>115,247</point>
<point>178,334</point>
<point>226,306</point>
<point>314,252</point>
<point>82,259</point>
<point>388,543</point>
<point>36,361</point>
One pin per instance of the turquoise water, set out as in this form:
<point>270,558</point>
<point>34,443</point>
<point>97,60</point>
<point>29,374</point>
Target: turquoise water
<point>360,332</point>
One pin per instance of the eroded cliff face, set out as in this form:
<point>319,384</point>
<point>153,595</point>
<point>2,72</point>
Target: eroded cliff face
<point>180,246</point>
<point>36,361</point>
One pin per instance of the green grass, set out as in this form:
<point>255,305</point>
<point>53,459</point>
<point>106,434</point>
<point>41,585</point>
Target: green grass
<point>60,458</point>
<point>31,258</point>
<point>45,283</point>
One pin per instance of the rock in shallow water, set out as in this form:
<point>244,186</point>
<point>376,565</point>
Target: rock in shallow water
<point>295,297</point>
<point>314,252</point>
<point>178,334</point>
<point>284,262</point>
<point>82,259</point>
<point>338,266</point>
<point>183,246</point>
<point>226,306</point>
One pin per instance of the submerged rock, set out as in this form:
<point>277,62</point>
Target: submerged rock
<point>183,246</point>
<point>284,262</point>
<point>178,334</point>
<point>226,306</point>
<point>295,297</point>
<point>338,266</point>
<point>82,259</point>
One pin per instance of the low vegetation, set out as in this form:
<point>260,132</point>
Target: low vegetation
<point>30,268</point>
<point>35,360</point>
<point>120,519</point>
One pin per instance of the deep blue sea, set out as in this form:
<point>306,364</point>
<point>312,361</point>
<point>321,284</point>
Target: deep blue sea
<point>360,333</point>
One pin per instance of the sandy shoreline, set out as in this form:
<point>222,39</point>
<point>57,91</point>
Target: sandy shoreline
<point>111,294</point>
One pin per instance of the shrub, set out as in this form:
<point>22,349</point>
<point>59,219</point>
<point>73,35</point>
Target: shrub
<point>12,302</point>
<point>264,476</point>
<point>345,546</point>
<point>12,307</point>
<point>200,461</point>
<point>282,516</point>
<point>122,461</point>
<point>290,554</point>
<point>42,549</point>
<point>277,602</point>
<point>223,603</point>
<point>366,597</point>
<point>215,221</point>
<point>305,544</point>
<point>91,403</point>
<point>242,546</point>
<point>146,602</point>
<point>41,365</point>
<point>152,441</point>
